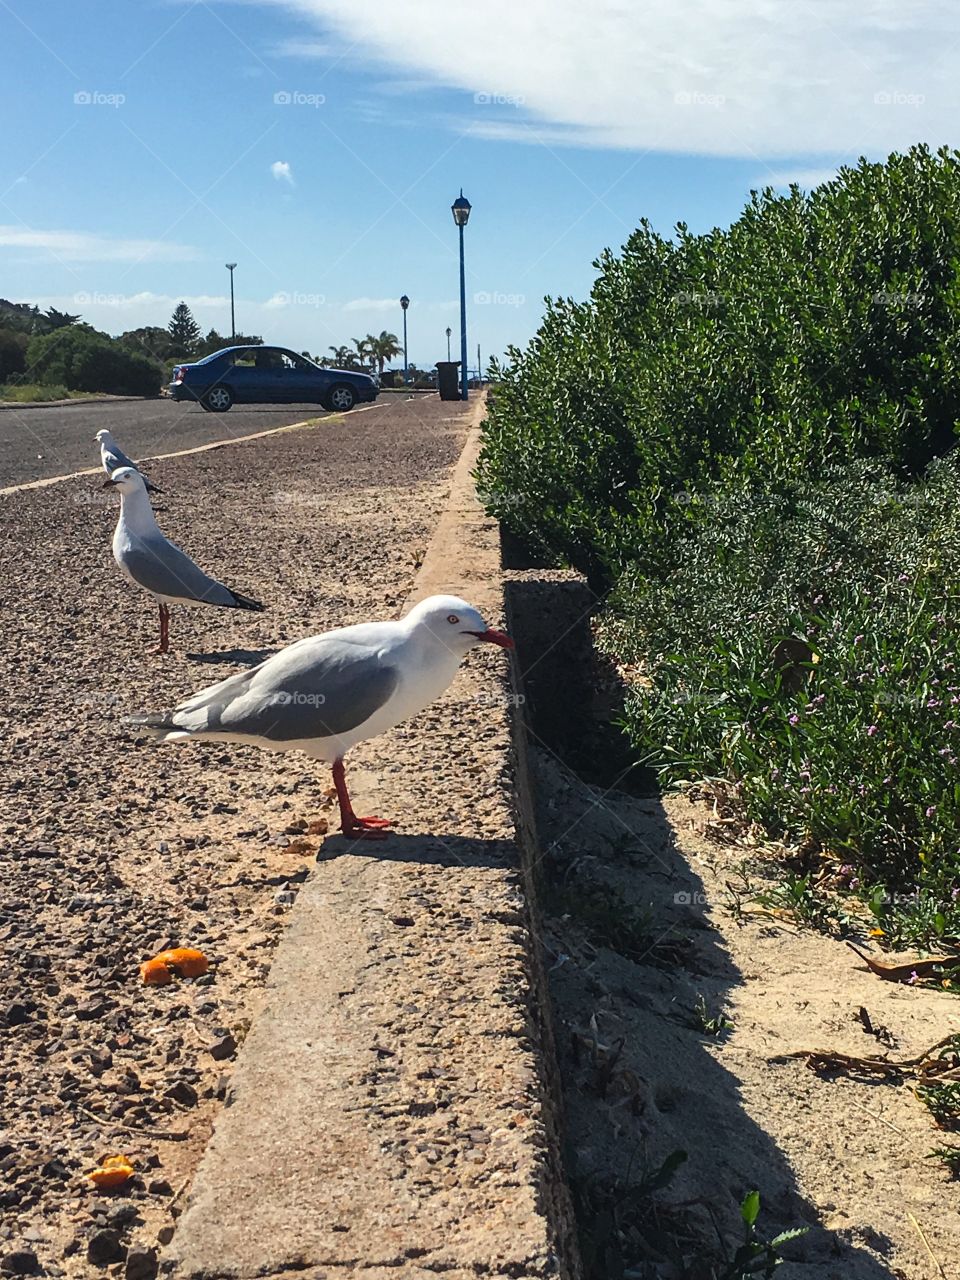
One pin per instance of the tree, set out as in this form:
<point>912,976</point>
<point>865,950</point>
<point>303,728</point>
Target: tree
<point>54,319</point>
<point>83,360</point>
<point>215,341</point>
<point>184,331</point>
<point>151,340</point>
<point>383,348</point>
<point>362,349</point>
<point>344,358</point>
<point>13,353</point>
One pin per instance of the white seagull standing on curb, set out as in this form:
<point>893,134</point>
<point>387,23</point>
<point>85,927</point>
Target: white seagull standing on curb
<point>113,457</point>
<point>324,694</point>
<point>151,561</point>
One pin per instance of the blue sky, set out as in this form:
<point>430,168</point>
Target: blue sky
<point>319,145</point>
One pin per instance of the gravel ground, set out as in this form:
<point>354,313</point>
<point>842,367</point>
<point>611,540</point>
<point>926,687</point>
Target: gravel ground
<point>111,849</point>
<point>39,442</point>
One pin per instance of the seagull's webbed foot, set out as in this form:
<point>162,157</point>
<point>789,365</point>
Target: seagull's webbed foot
<point>355,828</point>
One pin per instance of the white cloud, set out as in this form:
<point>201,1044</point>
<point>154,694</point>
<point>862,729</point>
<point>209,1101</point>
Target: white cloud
<point>282,171</point>
<point>747,77</point>
<point>83,246</point>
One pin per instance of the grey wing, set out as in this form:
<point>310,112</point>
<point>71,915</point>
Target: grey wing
<point>114,458</point>
<point>317,688</point>
<point>163,569</point>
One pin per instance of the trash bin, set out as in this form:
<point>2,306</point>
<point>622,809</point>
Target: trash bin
<point>448,379</point>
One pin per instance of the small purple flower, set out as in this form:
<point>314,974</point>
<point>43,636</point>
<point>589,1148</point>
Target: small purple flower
<point>931,810</point>
<point>858,639</point>
<point>913,979</point>
<point>872,730</point>
<point>794,719</point>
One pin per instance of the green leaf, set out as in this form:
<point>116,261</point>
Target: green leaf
<point>750,1208</point>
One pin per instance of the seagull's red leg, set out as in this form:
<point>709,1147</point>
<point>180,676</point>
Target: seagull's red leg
<point>164,645</point>
<point>350,824</point>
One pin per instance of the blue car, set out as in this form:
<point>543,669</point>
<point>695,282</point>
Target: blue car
<point>268,375</point>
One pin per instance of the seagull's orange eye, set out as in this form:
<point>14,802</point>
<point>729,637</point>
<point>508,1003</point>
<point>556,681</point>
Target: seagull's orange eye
<point>452,618</point>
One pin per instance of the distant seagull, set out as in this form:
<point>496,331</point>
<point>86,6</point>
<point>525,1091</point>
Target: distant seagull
<point>151,561</point>
<point>324,694</point>
<point>113,457</point>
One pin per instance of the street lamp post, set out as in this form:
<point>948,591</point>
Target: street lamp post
<point>461,212</point>
<point>233,323</point>
<point>449,331</point>
<point>404,303</point>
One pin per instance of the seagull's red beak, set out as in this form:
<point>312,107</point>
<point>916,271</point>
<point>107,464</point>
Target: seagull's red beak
<point>494,637</point>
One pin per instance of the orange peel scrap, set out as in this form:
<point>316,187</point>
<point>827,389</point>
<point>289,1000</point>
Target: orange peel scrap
<point>184,962</point>
<point>113,1171</point>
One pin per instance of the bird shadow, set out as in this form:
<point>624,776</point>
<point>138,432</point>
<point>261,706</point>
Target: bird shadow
<point>239,657</point>
<point>427,848</point>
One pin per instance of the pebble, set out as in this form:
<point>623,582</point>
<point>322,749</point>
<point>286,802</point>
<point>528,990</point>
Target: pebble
<point>141,1263</point>
<point>104,1246</point>
<point>21,1262</point>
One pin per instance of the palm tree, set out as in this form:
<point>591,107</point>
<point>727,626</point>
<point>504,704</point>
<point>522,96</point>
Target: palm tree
<point>363,349</point>
<point>383,348</point>
<point>343,357</point>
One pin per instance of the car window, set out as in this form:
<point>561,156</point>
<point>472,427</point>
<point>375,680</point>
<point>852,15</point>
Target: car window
<point>243,359</point>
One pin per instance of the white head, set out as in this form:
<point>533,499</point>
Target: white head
<point>458,626</point>
<point>104,437</point>
<point>127,480</point>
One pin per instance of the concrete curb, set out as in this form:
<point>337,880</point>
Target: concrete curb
<point>84,400</point>
<point>392,1112</point>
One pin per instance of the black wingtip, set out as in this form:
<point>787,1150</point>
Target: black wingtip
<point>244,602</point>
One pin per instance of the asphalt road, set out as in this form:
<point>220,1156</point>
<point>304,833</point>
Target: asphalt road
<point>37,443</point>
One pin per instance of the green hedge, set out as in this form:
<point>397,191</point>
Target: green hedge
<point>741,437</point>
<point>84,360</point>
<point>820,326</point>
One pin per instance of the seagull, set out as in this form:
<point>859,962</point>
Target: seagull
<point>324,694</point>
<point>151,561</point>
<point>112,457</point>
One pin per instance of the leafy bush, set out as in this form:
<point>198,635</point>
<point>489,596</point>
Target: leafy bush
<point>26,391</point>
<point>742,434</point>
<point>820,326</point>
<point>13,353</point>
<point>803,649</point>
<point>85,360</point>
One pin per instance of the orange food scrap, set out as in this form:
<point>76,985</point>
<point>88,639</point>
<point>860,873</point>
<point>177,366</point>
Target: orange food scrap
<point>185,962</point>
<point>113,1171</point>
<point>155,973</point>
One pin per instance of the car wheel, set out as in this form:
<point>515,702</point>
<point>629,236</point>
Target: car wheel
<point>218,399</point>
<point>341,398</point>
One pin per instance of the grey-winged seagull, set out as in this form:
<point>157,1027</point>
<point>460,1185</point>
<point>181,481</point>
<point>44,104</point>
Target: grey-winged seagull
<point>324,694</point>
<point>113,457</point>
<point>151,561</point>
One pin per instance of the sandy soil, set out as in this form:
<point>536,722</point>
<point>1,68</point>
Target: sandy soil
<point>111,849</point>
<point>645,944</point>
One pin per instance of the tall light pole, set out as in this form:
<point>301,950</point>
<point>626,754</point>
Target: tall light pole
<point>404,303</point>
<point>233,323</point>
<point>449,331</point>
<point>461,212</point>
